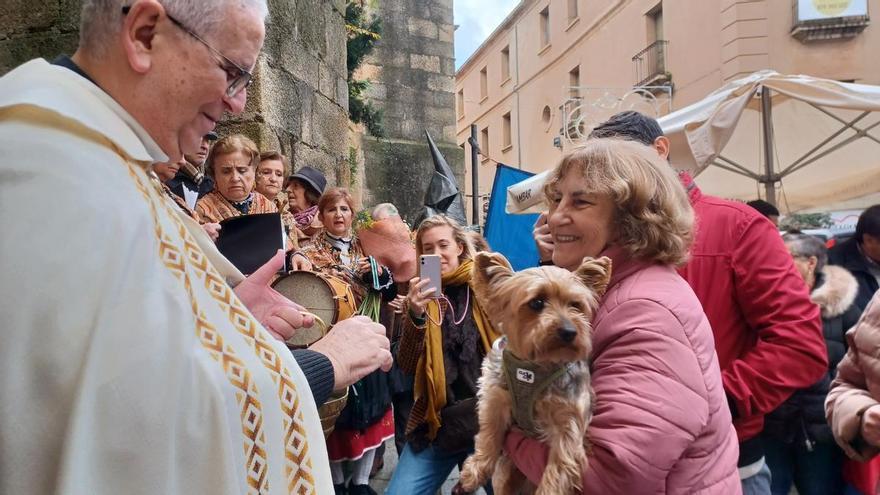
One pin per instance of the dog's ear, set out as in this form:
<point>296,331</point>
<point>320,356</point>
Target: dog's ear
<point>489,269</point>
<point>595,273</point>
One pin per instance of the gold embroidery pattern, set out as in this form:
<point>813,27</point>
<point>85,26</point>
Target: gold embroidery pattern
<point>298,461</point>
<point>236,372</point>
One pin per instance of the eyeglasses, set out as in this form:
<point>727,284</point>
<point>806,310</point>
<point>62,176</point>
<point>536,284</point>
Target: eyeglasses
<point>237,77</point>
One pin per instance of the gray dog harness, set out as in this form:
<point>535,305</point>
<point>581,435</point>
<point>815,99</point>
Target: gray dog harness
<point>527,381</point>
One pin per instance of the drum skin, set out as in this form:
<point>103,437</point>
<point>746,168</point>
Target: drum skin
<point>325,296</point>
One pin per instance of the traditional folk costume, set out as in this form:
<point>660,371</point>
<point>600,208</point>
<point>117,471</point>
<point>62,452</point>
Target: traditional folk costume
<point>287,219</point>
<point>214,208</point>
<point>128,364</point>
<point>367,420</point>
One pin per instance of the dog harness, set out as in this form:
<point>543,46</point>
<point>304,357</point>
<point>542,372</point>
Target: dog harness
<point>527,381</point>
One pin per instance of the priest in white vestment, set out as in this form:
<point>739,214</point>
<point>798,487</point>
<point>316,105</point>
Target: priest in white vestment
<point>128,364</point>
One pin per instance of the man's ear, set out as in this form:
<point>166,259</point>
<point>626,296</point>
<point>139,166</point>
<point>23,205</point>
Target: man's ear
<point>661,144</point>
<point>138,33</point>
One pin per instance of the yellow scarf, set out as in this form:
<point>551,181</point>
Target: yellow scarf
<point>430,380</point>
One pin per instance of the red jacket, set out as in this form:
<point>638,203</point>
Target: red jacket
<point>768,333</point>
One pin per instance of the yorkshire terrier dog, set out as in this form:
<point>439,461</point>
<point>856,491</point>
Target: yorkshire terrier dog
<point>540,380</point>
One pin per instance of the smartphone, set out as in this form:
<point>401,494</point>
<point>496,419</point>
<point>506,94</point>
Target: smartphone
<point>429,268</point>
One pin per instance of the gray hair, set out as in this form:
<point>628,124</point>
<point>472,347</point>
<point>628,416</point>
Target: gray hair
<point>383,211</point>
<point>805,246</point>
<point>101,19</point>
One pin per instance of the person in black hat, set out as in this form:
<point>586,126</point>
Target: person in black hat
<point>190,182</point>
<point>304,188</point>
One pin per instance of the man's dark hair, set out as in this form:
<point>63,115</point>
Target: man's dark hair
<point>630,125</point>
<point>869,223</point>
<point>764,208</point>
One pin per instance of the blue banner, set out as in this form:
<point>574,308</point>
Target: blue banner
<point>510,235</point>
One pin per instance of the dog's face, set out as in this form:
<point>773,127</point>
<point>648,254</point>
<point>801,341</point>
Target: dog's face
<point>544,312</point>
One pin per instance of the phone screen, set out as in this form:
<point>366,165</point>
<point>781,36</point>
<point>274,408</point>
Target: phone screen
<point>429,268</point>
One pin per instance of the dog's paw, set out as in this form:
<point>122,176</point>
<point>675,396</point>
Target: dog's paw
<point>473,474</point>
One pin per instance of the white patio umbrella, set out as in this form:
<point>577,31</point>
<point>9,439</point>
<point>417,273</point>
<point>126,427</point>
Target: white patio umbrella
<point>798,141</point>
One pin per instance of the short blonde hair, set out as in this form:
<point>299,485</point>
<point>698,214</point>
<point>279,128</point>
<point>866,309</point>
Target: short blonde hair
<point>653,217</point>
<point>232,144</point>
<point>460,236</point>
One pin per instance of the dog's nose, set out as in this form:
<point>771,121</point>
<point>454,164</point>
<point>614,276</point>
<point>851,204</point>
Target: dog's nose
<point>567,332</point>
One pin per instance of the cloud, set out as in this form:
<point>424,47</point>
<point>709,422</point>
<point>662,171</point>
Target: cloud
<point>476,19</point>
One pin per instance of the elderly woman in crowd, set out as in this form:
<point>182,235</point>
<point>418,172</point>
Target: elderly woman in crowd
<point>662,423</point>
<point>798,443</point>
<point>367,419</point>
<point>271,171</point>
<point>304,188</point>
<point>232,163</point>
<point>443,421</point>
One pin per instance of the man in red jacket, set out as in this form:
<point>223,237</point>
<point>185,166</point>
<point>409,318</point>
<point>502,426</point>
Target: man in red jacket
<point>768,334</point>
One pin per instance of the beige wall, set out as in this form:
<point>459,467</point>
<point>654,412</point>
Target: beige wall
<point>710,42</point>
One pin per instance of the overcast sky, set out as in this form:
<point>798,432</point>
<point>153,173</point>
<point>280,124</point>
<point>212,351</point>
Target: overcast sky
<point>476,19</point>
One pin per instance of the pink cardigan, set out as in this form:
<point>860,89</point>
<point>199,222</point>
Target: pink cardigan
<point>661,422</point>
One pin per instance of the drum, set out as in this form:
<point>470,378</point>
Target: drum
<point>325,296</point>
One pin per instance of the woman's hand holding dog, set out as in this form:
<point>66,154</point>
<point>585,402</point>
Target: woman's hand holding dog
<point>417,299</point>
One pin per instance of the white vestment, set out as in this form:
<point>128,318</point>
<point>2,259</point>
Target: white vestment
<point>127,364</point>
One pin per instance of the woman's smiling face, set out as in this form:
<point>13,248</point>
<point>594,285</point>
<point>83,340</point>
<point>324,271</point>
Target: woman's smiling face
<point>580,221</point>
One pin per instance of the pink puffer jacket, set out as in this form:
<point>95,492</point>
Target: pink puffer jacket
<point>661,421</point>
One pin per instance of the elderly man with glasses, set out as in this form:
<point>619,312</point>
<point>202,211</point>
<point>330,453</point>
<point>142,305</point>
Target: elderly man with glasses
<point>129,363</point>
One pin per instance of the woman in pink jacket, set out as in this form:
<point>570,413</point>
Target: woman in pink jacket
<point>661,422</point>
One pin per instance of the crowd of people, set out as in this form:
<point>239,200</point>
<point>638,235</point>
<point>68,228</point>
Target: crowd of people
<point>744,399</point>
<point>727,358</point>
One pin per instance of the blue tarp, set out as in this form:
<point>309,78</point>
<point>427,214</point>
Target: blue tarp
<point>510,235</point>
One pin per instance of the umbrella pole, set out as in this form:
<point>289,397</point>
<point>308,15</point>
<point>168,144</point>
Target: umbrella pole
<point>767,122</point>
<point>475,179</point>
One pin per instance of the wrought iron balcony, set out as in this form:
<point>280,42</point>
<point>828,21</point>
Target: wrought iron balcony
<point>649,65</point>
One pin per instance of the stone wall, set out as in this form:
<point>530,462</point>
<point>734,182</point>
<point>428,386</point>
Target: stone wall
<point>298,102</point>
<point>412,73</point>
<point>31,29</point>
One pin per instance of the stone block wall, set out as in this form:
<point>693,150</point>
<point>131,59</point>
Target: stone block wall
<point>412,74</point>
<point>297,104</point>
<point>31,29</point>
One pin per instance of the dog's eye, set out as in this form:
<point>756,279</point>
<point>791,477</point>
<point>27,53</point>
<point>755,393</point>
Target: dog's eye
<point>576,306</point>
<point>536,304</point>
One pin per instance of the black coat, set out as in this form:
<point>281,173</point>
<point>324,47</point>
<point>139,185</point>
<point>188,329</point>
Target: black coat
<point>847,255</point>
<point>801,419</point>
<point>176,185</point>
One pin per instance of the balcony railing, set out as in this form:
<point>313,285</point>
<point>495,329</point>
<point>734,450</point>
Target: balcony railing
<point>649,65</point>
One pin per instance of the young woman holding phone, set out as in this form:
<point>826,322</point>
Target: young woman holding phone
<point>443,343</point>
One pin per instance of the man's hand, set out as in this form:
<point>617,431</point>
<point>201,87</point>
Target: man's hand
<point>356,347</point>
<point>213,230</point>
<point>299,262</point>
<point>543,238</point>
<point>279,315</point>
<point>871,425</point>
